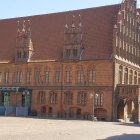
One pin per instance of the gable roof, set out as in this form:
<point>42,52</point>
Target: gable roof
<point>48,34</point>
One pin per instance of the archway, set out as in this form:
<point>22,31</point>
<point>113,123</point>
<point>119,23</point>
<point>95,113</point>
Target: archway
<point>100,113</point>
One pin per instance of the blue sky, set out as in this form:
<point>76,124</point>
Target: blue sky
<point>19,8</point>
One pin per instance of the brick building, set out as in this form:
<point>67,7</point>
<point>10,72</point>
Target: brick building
<point>73,64</point>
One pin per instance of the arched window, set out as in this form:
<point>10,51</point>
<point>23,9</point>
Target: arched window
<point>53,97</point>
<point>7,76</point>
<point>135,78</point>
<point>17,76</point>
<point>28,76</point>
<point>126,76</point>
<point>47,77</point>
<point>47,74</point>
<point>68,53</point>
<point>68,75</point>
<point>98,99</point>
<point>131,77</point>
<point>91,75</point>
<point>58,76</point>
<point>41,97</point>
<point>81,98</point>
<point>120,75</point>
<point>80,76</point>
<point>68,98</point>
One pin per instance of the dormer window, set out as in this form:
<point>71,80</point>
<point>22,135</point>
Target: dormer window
<point>73,40</point>
<point>75,52</point>
<point>24,50</point>
<point>67,52</point>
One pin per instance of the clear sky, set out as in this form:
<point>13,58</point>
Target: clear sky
<point>19,8</point>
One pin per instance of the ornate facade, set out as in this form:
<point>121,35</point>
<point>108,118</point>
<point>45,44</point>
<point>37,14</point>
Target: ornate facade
<point>74,65</point>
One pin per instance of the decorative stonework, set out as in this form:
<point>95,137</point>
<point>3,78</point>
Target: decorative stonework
<point>24,45</point>
<point>73,47</point>
<point>127,33</point>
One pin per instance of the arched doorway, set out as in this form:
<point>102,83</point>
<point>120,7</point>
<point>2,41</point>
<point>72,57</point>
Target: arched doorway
<point>125,109</point>
<point>100,113</point>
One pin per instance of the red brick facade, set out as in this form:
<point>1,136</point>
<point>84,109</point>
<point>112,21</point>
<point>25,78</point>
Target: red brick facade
<point>75,65</point>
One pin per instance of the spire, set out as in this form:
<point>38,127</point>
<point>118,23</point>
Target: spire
<point>80,22</point>
<point>23,26</point>
<point>29,27</point>
<point>66,25</point>
<point>73,23</point>
<point>18,30</point>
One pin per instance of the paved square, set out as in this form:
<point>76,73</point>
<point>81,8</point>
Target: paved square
<point>12,128</point>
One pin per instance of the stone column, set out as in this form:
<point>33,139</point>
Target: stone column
<point>125,111</point>
<point>123,71</point>
<point>136,110</point>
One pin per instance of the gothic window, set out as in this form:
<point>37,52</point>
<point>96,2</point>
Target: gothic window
<point>126,76</point>
<point>82,98</point>
<point>68,98</point>
<point>68,52</point>
<point>17,77</point>
<point>19,54</point>
<point>53,97</point>
<point>75,52</point>
<point>7,77</point>
<point>135,78</point>
<point>91,75</point>
<point>41,97</point>
<point>68,75</point>
<point>120,75</point>
<point>80,76</point>
<point>37,77</point>
<point>47,77</point>
<point>98,99</point>
<point>58,76</point>
<point>28,77</point>
<point>131,77</point>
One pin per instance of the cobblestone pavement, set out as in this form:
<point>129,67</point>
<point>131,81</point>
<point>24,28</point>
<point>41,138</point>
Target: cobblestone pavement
<point>12,128</point>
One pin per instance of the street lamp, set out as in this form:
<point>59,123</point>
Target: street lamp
<point>92,97</point>
<point>26,94</point>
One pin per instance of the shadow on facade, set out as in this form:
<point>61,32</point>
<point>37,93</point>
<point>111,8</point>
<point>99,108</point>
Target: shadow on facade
<point>124,137</point>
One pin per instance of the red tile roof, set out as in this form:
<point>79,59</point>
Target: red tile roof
<point>48,34</point>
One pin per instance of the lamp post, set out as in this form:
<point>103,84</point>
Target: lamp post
<point>26,94</point>
<point>92,98</point>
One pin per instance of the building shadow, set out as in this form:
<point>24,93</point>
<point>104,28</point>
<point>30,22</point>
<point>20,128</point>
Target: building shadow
<point>124,137</point>
<point>130,124</point>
